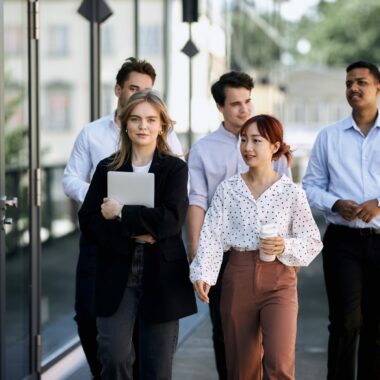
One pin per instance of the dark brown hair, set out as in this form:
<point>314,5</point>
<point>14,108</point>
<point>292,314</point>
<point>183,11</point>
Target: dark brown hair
<point>139,66</point>
<point>271,129</point>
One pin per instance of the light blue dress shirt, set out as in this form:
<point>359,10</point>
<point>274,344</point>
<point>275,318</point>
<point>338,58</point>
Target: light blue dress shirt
<point>344,164</point>
<point>213,159</point>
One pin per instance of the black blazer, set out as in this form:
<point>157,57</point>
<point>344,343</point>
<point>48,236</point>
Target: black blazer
<point>167,291</point>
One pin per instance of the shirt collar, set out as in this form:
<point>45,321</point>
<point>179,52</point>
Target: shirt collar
<point>225,133</point>
<point>350,122</point>
<point>111,120</point>
<point>277,188</point>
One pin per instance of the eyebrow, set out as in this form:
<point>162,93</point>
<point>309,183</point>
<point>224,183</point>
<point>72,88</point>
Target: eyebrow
<point>146,117</point>
<point>240,101</point>
<point>356,78</point>
<point>251,135</point>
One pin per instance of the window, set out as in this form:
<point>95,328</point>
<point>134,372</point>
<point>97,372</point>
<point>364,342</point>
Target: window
<point>108,99</point>
<point>13,41</point>
<point>58,40</point>
<point>108,46</point>
<point>151,39</point>
<point>58,110</point>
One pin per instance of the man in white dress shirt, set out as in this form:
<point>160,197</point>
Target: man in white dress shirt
<point>98,140</point>
<point>343,180</point>
<point>213,159</point>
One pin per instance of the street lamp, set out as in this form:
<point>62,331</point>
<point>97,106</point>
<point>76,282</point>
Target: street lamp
<point>190,14</point>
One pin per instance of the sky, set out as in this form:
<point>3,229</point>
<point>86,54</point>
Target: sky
<point>290,9</point>
<point>294,9</point>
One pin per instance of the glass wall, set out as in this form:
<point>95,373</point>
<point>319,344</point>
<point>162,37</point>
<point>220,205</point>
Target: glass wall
<point>17,317</point>
<point>117,44</point>
<point>64,82</point>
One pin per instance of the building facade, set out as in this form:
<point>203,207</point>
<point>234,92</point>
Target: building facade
<point>57,72</point>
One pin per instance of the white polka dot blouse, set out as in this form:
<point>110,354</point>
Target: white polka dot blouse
<point>235,217</point>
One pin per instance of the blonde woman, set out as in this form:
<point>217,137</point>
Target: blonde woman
<point>142,271</point>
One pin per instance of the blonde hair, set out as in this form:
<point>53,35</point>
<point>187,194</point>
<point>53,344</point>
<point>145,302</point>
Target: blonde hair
<point>125,144</point>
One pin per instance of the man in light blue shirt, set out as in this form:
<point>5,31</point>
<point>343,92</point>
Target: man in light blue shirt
<point>343,180</point>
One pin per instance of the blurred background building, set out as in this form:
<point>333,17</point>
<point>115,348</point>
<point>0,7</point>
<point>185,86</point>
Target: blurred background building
<point>57,72</point>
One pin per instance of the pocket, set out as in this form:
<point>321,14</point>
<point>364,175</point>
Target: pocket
<point>272,276</point>
<point>286,276</point>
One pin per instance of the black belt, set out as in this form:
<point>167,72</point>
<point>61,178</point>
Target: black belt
<point>356,231</point>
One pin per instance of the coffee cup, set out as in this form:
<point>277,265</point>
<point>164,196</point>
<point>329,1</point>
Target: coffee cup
<point>268,231</point>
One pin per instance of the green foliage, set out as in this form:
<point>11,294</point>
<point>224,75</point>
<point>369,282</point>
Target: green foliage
<point>341,32</point>
<point>251,45</point>
<point>15,146</point>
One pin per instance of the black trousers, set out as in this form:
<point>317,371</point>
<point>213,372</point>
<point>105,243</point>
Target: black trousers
<point>351,263</point>
<point>217,332</point>
<point>85,308</point>
<point>85,304</point>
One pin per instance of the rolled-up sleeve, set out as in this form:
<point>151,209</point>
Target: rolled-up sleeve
<point>198,194</point>
<point>76,176</point>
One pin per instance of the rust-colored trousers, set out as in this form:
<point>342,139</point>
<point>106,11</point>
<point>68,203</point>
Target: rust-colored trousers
<point>259,308</point>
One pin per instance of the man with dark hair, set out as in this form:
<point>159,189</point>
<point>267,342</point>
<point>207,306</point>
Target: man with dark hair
<point>213,159</point>
<point>98,140</point>
<point>343,180</point>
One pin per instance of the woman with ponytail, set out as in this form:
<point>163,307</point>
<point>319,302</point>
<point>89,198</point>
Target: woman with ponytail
<point>259,298</point>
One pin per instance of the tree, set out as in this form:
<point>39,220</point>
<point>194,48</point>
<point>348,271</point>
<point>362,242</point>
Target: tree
<point>256,38</point>
<point>341,32</point>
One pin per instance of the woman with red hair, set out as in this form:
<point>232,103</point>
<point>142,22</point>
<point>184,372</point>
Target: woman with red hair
<point>259,298</point>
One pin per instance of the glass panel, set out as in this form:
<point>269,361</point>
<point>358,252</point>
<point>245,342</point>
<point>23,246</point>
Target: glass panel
<point>17,316</point>
<point>151,37</point>
<point>115,50</point>
<point>64,78</point>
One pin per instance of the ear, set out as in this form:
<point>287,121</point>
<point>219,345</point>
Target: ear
<point>276,147</point>
<point>117,90</point>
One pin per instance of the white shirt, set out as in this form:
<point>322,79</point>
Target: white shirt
<point>96,141</point>
<point>235,217</point>
<point>215,158</point>
<point>344,164</point>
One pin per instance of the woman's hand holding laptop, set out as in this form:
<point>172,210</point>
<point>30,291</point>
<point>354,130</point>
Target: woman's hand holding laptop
<point>110,208</point>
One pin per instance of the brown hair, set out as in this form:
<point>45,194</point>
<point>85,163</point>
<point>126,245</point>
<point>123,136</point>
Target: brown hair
<point>134,65</point>
<point>125,144</point>
<point>272,130</point>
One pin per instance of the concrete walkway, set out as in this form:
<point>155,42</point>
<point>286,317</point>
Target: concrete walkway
<point>194,359</point>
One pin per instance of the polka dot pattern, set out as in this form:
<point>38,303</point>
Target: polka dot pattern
<point>235,217</point>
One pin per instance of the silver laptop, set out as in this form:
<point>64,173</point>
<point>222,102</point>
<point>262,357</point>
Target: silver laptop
<point>131,188</point>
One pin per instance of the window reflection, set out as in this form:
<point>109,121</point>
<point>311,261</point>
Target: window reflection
<point>64,97</point>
